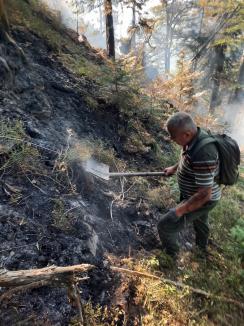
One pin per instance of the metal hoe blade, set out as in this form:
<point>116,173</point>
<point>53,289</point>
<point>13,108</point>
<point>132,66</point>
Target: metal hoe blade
<point>100,170</point>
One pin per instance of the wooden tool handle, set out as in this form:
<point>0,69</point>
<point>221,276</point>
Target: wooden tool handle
<point>136,174</point>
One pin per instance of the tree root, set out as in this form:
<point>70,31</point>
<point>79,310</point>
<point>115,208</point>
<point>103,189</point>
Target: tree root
<point>6,69</point>
<point>12,42</point>
<point>179,285</point>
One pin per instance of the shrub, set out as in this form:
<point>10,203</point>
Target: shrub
<point>60,218</point>
<point>237,233</point>
<point>17,152</point>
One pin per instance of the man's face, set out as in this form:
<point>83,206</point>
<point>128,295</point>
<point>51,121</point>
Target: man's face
<point>181,138</point>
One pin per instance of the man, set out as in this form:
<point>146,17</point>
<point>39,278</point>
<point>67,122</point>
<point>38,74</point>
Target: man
<point>196,175</point>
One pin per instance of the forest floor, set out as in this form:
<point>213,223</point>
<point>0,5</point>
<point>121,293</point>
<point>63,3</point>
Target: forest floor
<point>54,114</point>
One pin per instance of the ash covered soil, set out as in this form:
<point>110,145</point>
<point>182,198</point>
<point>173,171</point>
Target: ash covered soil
<point>48,99</point>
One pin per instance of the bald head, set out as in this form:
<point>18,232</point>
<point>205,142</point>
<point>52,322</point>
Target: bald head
<point>181,128</point>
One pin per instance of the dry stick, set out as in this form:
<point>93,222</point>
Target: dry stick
<point>223,20</point>
<point>36,186</point>
<point>179,285</point>
<point>111,209</point>
<point>8,294</point>
<point>78,302</point>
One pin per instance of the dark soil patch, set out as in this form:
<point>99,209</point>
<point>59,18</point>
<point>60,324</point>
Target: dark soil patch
<point>50,101</point>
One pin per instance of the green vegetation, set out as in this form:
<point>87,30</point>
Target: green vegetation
<point>117,84</point>
<point>221,274</point>
<point>142,112</point>
<point>60,215</point>
<point>15,149</point>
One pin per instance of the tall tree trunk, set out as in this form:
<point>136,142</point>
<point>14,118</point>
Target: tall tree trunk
<point>219,60</point>
<point>202,13</point>
<point>168,40</point>
<point>100,20</point>
<point>239,91</point>
<point>167,57</point>
<point>4,25</point>
<point>128,44</point>
<point>133,23</point>
<point>108,8</point>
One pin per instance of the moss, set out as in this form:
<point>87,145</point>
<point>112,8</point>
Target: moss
<point>91,102</point>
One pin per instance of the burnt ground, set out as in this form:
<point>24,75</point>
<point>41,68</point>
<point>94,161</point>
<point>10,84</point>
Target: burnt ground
<point>49,100</point>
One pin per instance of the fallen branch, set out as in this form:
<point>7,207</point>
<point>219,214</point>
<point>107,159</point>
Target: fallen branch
<point>51,273</point>
<point>8,294</point>
<point>74,297</point>
<point>34,285</point>
<point>178,285</point>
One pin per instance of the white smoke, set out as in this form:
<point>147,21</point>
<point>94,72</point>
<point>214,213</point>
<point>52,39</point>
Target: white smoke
<point>93,22</point>
<point>234,115</point>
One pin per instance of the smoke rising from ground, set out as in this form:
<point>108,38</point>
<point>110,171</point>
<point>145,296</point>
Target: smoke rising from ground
<point>234,115</point>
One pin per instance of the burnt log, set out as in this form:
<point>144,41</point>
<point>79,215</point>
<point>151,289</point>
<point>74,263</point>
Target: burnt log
<point>48,274</point>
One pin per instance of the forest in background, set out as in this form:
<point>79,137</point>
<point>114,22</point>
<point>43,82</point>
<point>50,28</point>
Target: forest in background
<point>194,49</point>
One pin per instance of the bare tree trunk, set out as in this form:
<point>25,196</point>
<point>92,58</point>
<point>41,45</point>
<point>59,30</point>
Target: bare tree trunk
<point>195,62</point>
<point>219,60</point>
<point>168,38</point>
<point>100,20</point>
<point>108,9</point>
<point>133,38</point>
<point>130,43</point>
<point>4,25</point>
<point>239,91</point>
<point>167,48</point>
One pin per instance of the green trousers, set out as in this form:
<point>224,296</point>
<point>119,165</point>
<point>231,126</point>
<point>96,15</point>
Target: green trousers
<point>170,225</point>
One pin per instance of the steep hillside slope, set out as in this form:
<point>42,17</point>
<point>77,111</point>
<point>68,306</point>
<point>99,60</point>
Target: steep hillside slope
<point>61,102</point>
<point>51,211</point>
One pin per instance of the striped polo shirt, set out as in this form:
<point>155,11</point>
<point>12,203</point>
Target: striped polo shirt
<point>199,172</point>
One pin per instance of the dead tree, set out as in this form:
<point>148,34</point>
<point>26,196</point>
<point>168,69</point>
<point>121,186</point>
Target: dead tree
<point>108,10</point>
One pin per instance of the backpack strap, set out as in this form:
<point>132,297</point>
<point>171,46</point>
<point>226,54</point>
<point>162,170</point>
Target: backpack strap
<point>200,144</point>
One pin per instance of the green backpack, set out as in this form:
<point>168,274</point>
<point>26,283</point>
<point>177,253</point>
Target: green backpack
<point>229,156</point>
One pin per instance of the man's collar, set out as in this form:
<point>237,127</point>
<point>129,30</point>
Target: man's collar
<point>194,140</point>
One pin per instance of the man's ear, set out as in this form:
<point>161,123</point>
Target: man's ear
<point>187,134</point>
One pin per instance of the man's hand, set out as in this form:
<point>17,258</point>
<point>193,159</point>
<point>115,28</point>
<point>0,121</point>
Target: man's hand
<point>201,197</point>
<point>171,215</point>
<point>170,170</point>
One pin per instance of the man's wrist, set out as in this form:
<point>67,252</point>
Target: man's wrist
<point>179,211</point>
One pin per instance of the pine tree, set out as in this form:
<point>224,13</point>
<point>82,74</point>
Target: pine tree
<point>226,19</point>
